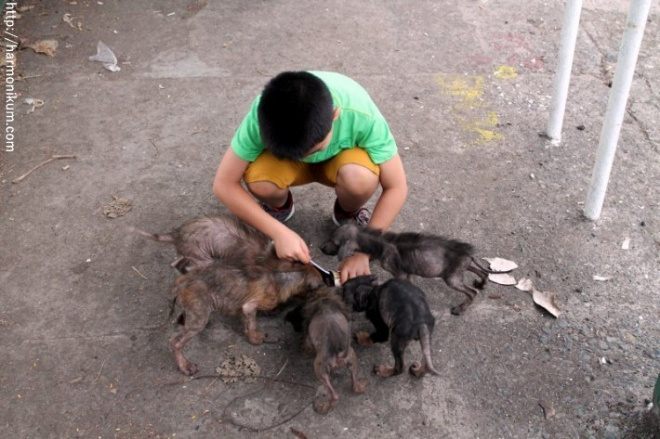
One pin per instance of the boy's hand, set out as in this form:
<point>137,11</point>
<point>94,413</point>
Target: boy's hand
<point>290,246</point>
<point>356,265</point>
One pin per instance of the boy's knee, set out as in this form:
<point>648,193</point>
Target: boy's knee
<point>265,189</point>
<point>357,179</point>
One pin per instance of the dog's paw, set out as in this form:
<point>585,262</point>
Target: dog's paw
<point>256,337</point>
<point>360,386</point>
<point>188,368</point>
<point>383,371</point>
<point>457,310</point>
<point>322,406</point>
<point>363,338</point>
<point>417,369</point>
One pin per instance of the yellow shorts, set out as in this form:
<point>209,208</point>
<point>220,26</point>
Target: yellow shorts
<point>285,173</point>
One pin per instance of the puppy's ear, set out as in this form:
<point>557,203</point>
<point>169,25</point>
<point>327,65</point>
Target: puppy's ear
<point>347,249</point>
<point>352,284</point>
<point>362,297</point>
<point>348,297</point>
<point>329,248</point>
<point>350,230</point>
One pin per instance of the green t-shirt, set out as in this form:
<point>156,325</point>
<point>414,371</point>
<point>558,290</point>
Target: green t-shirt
<point>360,123</point>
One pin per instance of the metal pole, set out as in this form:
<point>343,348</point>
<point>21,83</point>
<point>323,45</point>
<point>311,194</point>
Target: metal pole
<point>616,106</point>
<point>569,31</point>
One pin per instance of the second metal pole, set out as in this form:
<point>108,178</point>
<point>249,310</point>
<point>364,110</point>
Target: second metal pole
<point>616,105</point>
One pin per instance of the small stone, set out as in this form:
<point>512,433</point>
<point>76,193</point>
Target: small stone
<point>655,355</point>
<point>611,432</point>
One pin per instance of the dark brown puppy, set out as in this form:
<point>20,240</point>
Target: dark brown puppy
<point>202,240</point>
<point>324,320</point>
<point>405,254</point>
<point>237,289</point>
<point>399,312</point>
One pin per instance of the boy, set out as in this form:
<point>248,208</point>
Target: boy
<point>312,127</point>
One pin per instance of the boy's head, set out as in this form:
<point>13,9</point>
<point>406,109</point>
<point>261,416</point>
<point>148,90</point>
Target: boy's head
<point>295,114</point>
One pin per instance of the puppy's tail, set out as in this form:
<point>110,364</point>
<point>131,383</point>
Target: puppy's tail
<point>158,237</point>
<point>425,340</point>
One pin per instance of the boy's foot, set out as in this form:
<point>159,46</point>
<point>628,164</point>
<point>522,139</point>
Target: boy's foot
<point>282,214</point>
<point>360,217</point>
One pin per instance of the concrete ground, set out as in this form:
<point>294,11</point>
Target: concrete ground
<point>466,88</point>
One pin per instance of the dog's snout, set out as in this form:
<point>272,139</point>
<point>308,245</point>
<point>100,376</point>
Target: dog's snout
<point>329,248</point>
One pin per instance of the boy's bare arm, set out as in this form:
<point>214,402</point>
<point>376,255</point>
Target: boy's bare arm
<point>395,190</point>
<point>228,189</point>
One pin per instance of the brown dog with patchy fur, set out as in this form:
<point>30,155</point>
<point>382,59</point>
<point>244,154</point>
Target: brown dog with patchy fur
<point>233,289</point>
<point>327,330</point>
<point>203,240</point>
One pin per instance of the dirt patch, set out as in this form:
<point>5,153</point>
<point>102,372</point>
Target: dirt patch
<point>238,366</point>
<point>118,207</point>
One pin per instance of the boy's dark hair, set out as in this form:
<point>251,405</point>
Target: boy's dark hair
<point>295,113</point>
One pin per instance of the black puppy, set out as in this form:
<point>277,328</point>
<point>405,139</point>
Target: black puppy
<point>399,312</point>
<point>405,254</point>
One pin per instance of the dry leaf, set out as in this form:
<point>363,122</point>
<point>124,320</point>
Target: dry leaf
<point>525,284</point>
<point>499,264</point>
<point>548,409</point>
<point>502,279</point>
<point>47,47</point>
<point>118,207</point>
<point>35,103</point>
<point>297,433</point>
<point>69,20</point>
<point>546,301</point>
<point>112,67</point>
